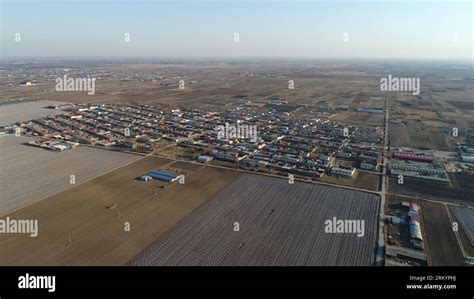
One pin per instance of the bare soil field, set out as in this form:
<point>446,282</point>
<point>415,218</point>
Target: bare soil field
<point>361,179</point>
<point>392,199</point>
<point>217,83</point>
<point>463,181</point>
<point>439,142</point>
<point>432,190</point>
<point>411,135</point>
<point>29,174</point>
<point>423,113</point>
<point>352,117</point>
<point>94,215</point>
<point>418,136</point>
<point>26,111</point>
<point>399,135</point>
<point>463,105</point>
<point>186,166</point>
<point>441,243</point>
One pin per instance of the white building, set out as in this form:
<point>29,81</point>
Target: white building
<point>343,171</point>
<point>467,159</point>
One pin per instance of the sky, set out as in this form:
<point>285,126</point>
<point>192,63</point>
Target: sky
<point>265,28</point>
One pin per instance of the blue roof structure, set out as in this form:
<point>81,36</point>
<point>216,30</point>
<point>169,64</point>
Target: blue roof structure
<point>163,175</point>
<point>168,173</point>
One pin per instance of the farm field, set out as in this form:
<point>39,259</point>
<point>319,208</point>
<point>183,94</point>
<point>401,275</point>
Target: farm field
<point>30,174</point>
<point>418,137</point>
<point>85,225</point>
<point>353,117</point>
<point>12,113</point>
<point>465,218</point>
<point>279,224</point>
<point>441,243</point>
<point>412,135</point>
<point>463,105</point>
<point>459,192</point>
<point>361,179</point>
<point>399,135</point>
<point>186,166</point>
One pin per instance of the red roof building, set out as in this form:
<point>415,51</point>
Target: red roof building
<point>413,157</point>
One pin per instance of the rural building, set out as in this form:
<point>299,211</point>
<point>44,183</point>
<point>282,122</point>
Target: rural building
<point>413,157</point>
<point>145,178</point>
<point>407,254</point>
<point>343,171</point>
<point>368,166</point>
<point>415,234</point>
<point>467,158</point>
<point>395,220</point>
<point>418,168</point>
<point>421,171</point>
<point>204,159</point>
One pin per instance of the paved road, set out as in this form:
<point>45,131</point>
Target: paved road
<point>380,256</point>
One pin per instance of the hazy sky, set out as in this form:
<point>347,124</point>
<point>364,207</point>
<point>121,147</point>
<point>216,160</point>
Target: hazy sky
<point>375,29</point>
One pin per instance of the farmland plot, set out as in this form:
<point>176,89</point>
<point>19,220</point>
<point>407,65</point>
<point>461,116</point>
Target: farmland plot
<point>258,220</point>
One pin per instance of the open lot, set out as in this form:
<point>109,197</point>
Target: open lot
<point>186,166</point>
<point>12,113</point>
<point>458,192</point>
<point>361,179</point>
<point>279,224</point>
<point>29,174</point>
<point>441,243</point>
<point>418,137</point>
<point>94,216</point>
<point>399,135</point>
<point>412,135</point>
<point>463,105</point>
<point>352,117</point>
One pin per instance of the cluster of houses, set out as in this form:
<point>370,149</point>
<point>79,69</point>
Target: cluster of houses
<point>279,143</point>
<point>410,216</point>
<point>53,144</point>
